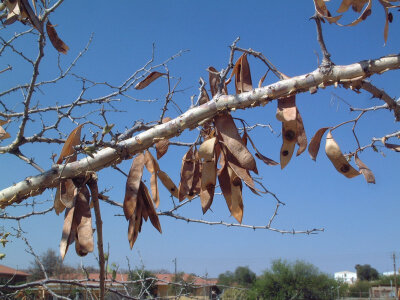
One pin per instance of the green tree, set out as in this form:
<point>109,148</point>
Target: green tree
<point>299,280</point>
<point>242,276</point>
<point>366,272</point>
<point>360,289</point>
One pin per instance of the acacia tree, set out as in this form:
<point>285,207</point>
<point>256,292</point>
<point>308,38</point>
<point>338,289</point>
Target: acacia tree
<point>219,156</point>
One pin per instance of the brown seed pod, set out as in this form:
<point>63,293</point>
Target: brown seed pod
<point>337,158</point>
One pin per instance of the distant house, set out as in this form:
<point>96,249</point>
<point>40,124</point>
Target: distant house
<point>201,288</point>
<point>346,276</point>
<point>11,275</point>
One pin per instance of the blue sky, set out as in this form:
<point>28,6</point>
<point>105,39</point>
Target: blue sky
<point>360,220</point>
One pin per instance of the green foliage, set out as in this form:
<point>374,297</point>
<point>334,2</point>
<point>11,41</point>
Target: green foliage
<point>235,294</point>
<point>242,277</point>
<point>366,272</point>
<point>146,288</point>
<point>387,280</point>
<point>360,289</point>
<point>298,280</point>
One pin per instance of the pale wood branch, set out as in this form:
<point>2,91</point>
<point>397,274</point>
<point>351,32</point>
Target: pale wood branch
<point>192,118</point>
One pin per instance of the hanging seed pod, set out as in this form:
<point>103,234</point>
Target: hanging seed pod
<point>337,158</point>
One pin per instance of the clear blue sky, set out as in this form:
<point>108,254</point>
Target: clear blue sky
<point>360,220</point>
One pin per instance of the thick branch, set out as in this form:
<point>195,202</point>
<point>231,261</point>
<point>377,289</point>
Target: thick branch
<point>194,117</point>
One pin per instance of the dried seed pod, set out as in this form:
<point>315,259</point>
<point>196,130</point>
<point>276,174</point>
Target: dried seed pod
<point>229,135</point>
<point>337,158</point>
<point>168,183</point>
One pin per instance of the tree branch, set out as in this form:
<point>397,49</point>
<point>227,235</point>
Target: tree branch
<point>123,150</point>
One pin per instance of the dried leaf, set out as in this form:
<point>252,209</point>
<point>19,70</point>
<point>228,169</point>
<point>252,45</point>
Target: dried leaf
<point>196,184</point>
<point>153,168</point>
<point>229,135</point>
<point>66,232</point>
<point>162,147</point>
<point>67,193</point>
<point>58,205</point>
<point>204,98</point>
<point>73,140</point>
<point>55,40</point>
<point>231,187</point>
<point>149,208</point>
<point>242,74</point>
<point>321,9</point>
<point>337,158</point>
<point>214,80</point>
<point>301,135</point>
<point>3,134</point>
<point>83,219</point>
<point>287,110</point>
<point>393,147</point>
<point>149,79</point>
<point>32,16</point>
<point>132,185</point>
<point>187,174</point>
<point>315,142</point>
<point>369,176</point>
<point>208,173</point>
<point>168,183</point>
<point>289,139</point>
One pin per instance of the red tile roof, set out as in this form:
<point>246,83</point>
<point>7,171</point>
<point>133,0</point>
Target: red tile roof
<point>10,271</point>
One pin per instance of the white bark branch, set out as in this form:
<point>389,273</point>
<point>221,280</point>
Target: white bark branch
<point>192,118</point>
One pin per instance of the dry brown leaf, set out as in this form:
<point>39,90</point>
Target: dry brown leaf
<point>242,74</point>
<point>31,15</point>
<point>3,134</point>
<point>337,158</point>
<point>229,135</point>
<point>187,174</point>
<point>301,135</point>
<point>132,185</point>
<point>55,40</point>
<point>289,138</point>
<point>196,184</point>
<point>321,9</point>
<point>214,80</point>
<point>287,110</point>
<point>315,142</point>
<point>208,173</point>
<point>162,147</point>
<point>168,183</point>
<point>369,176</point>
<point>68,191</point>
<point>204,98</point>
<point>231,187</point>
<point>83,219</point>
<point>74,139</point>
<point>393,147</point>
<point>66,232</point>
<point>149,208</point>
<point>153,167</point>
<point>58,205</point>
<point>149,79</point>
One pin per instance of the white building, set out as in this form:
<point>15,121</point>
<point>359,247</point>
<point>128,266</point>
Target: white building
<point>346,276</point>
